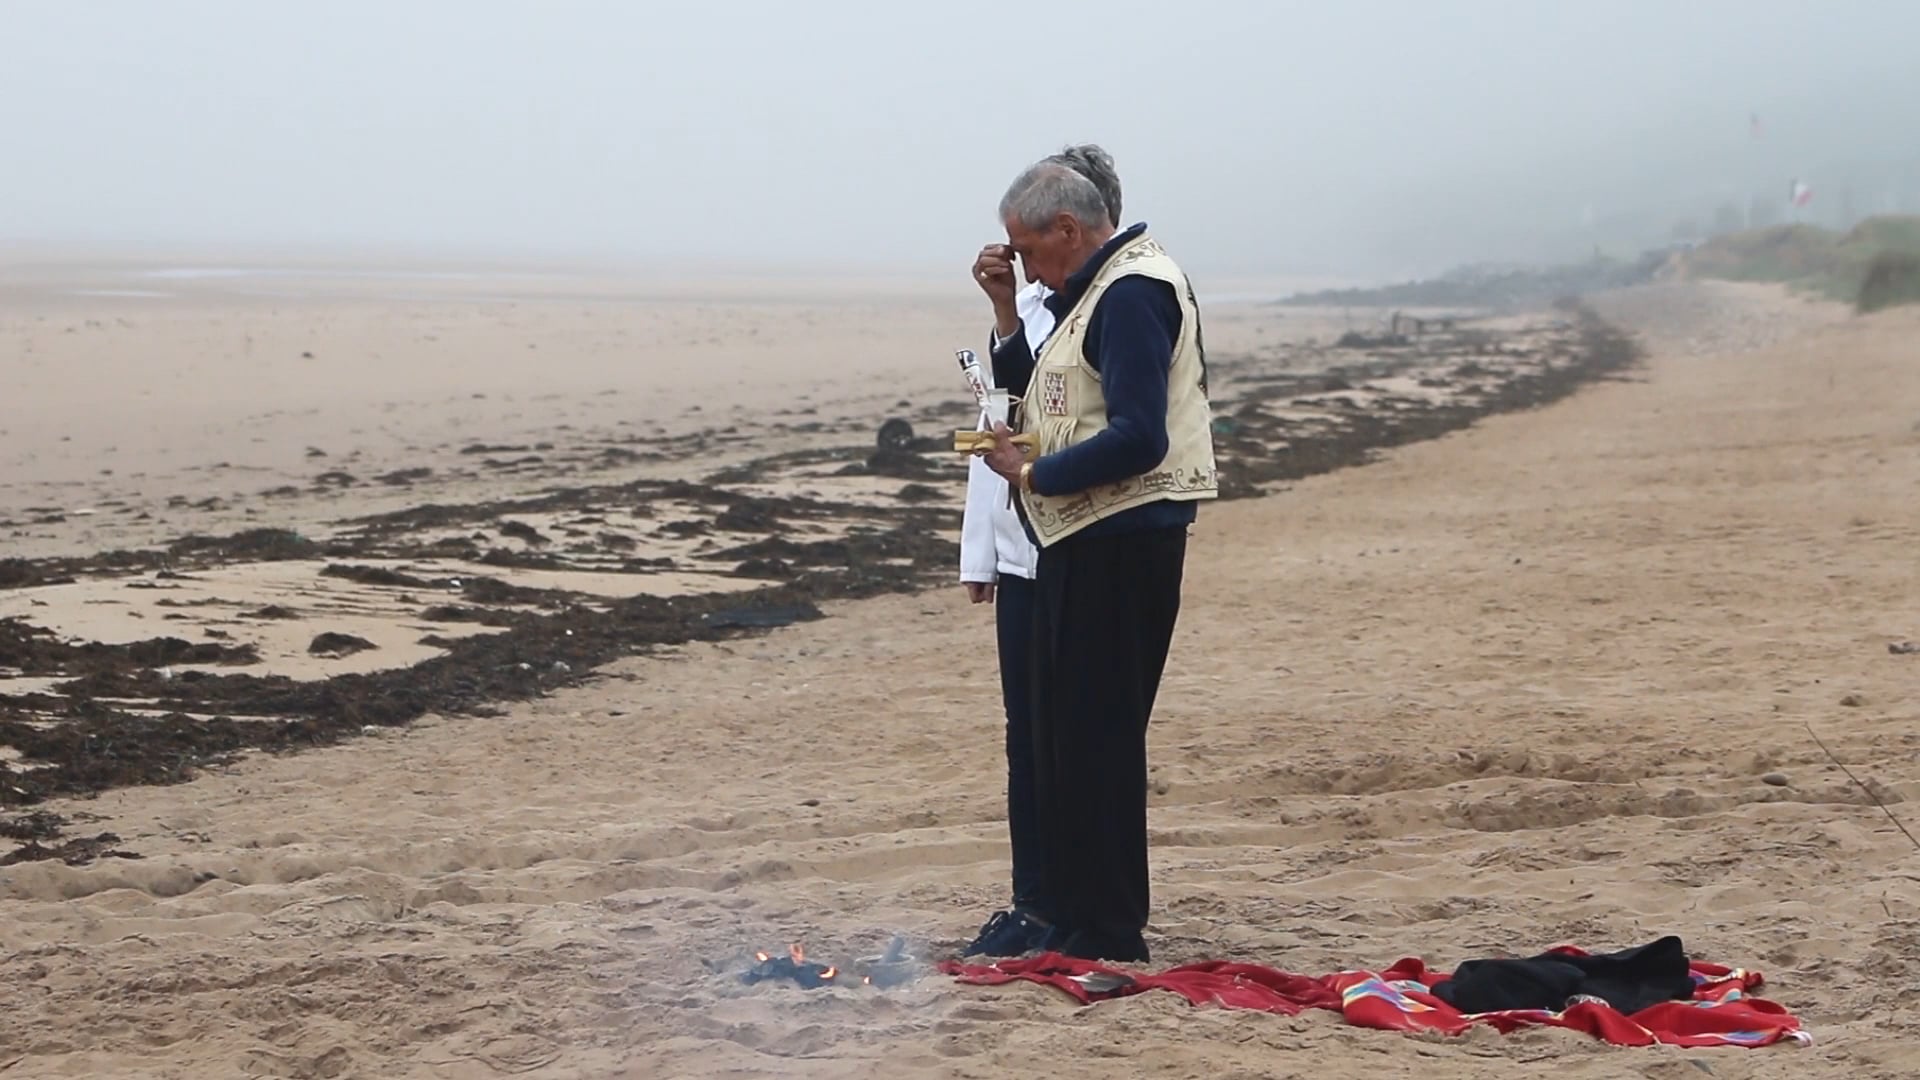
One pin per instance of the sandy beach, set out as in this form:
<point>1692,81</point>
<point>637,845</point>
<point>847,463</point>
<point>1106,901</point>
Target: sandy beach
<point>1505,688</point>
<point>144,402</point>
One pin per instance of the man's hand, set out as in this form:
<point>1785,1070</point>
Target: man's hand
<point>1005,458</point>
<point>980,592</point>
<point>993,271</point>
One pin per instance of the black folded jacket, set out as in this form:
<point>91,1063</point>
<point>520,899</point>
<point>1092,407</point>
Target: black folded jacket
<point>1629,981</point>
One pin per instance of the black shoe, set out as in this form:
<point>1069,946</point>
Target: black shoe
<point>1011,933</point>
<point>1086,946</point>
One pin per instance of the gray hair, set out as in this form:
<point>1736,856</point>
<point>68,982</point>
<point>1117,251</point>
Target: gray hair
<point>1049,188</point>
<point>1094,163</point>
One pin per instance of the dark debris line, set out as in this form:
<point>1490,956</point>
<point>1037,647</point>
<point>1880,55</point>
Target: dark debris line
<point>80,744</point>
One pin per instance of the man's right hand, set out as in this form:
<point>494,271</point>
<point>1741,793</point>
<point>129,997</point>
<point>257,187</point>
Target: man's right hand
<point>980,592</point>
<point>993,271</point>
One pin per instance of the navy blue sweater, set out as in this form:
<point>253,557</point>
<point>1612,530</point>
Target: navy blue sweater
<point>1131,333</point>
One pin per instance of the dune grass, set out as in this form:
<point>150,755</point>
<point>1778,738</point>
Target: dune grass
<point>1874,265</point>
<point>1892,279</point>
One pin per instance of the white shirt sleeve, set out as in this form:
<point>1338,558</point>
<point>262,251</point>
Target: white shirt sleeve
<point>979,557</point>
<point>1031,305</point>
<point>986,491</point>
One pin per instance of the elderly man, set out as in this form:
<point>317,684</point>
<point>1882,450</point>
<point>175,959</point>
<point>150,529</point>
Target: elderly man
<point>1118,400</point>
<point>997,562</point>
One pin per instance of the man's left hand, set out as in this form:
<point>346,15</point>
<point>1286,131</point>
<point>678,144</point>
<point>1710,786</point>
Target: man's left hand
<point>1005,458</point>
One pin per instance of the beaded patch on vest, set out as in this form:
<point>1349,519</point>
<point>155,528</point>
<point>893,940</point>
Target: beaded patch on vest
<point>1053,393</point>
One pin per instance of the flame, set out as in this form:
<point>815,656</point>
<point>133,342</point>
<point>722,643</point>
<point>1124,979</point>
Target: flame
<point>866,980</point>
<point>830,973</point>
<point>762,957</point>
<point>799,954</point>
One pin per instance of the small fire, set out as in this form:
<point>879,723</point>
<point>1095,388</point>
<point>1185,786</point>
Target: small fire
<point>892,968</point>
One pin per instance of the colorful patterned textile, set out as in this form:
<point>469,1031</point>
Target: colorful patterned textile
<point>1721,1012</point>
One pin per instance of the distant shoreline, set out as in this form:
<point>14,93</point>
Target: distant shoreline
<point>378,281</point>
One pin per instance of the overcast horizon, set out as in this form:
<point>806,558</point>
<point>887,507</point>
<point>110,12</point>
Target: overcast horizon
<point>1258,139</point>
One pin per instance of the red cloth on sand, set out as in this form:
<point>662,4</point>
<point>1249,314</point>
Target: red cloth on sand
<point>1216,982</point>
<point>1721,1012</point>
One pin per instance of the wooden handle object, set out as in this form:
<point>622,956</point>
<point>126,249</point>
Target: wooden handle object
<point>979,442</point>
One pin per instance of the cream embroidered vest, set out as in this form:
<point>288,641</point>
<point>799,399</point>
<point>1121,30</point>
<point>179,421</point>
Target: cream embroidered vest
<point>1064,405</point>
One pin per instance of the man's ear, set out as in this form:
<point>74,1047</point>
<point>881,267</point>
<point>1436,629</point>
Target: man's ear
<point>1069,227</point>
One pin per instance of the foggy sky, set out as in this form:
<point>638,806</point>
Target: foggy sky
<point>1269,137</point>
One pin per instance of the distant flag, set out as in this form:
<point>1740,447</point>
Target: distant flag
<point>1799,194</point>
<point>1753,125</point>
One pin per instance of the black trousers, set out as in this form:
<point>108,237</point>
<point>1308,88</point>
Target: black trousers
<point>1013,619</point>
<point>1104,612</point>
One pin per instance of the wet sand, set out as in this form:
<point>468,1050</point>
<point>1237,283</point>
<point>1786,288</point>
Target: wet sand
<point>1505,687</point>
<point>527,566</point>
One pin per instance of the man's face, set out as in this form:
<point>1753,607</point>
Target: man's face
<point>1048,255</point>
